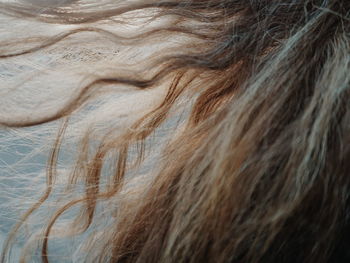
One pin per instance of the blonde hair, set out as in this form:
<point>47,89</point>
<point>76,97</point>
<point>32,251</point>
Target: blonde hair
<point>254,97</point>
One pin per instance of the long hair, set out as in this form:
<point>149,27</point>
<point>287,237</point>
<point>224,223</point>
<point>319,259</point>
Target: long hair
<point>253,98</point>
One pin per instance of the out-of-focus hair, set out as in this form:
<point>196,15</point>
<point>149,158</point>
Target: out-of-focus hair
<point>260,169</point>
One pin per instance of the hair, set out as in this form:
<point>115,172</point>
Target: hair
<point>254,101</point>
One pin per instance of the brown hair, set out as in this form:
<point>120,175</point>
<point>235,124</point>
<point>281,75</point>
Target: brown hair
<point>260,170</point>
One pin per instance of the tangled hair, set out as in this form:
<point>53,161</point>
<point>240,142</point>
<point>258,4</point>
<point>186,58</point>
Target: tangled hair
<point>253,100</point>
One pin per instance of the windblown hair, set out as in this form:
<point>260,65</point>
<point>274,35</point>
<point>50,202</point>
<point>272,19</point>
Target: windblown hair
<point>257,169</point>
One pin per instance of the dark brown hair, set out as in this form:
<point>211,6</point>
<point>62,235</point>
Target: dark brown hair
<point>259,172</point>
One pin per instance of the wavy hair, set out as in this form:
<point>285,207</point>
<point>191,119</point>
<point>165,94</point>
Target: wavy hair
<point>255,103</point>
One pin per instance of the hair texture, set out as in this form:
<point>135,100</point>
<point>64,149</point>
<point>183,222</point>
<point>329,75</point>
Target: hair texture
<point>255,95</point>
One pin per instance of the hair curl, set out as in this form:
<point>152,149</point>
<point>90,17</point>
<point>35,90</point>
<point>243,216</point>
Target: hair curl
<point>259,171</point>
